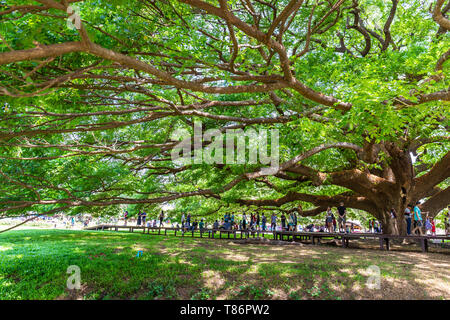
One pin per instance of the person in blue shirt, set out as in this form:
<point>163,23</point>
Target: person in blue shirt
<point>417,219</point>
<point>144,217</point>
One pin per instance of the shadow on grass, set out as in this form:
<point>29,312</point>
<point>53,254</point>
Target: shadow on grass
<point>34,263</point>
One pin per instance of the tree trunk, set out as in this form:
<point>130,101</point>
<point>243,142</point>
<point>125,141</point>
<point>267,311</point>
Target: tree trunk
<point>386,225</point>
<point>401,223</point>
<point>384,216</point>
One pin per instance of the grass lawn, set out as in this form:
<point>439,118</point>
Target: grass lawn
<point>33,265</point>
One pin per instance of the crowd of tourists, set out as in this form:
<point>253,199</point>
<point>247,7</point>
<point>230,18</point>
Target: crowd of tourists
<point>415,222</point>
<point>252,222</point>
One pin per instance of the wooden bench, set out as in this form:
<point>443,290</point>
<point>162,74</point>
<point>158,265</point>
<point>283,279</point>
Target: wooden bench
<point>313,237</point>
<point>384,239</point>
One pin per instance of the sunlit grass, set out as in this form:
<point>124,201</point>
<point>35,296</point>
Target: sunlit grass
<point>33,265</point>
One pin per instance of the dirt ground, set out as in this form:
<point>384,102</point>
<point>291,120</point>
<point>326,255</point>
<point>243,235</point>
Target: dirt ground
<point>406,272</point>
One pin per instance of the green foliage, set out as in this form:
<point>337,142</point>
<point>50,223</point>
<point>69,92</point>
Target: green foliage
<point>184,41</point>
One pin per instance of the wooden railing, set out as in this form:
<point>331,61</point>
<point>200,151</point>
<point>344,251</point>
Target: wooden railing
<point>313,237</point>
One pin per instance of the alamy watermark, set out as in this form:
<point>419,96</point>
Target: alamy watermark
<point>233,146</point>
<point>374,280</point>
<point>74,20</point>
<point>74,280</point>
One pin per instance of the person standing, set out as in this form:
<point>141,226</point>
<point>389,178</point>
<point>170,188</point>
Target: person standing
<point>393,221</point>
<point>161,219</point>
<point>417,219</point>
<point>329,220</point>
<point>377,226</point>
<point>125,217</point>
<point>295,221</point>
<point>283,222</point>
<point>139,219</point>
<point>273,223</point>
<point>258,220</point>
<point>433,227</point>
<point>408,219</point>
<point>264,221</point>
<point>183,220</point>
<point>342,216</point>
<point>291,222</point>
<point>144,218</point>
<point>244,221</point>
<point>252,217</point>
<point>428,225</point>
<point>226,218</point>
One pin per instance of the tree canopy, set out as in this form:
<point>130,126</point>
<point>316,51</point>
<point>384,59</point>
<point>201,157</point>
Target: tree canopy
<point>358,90</point>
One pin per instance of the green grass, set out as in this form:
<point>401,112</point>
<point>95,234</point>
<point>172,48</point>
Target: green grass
<point>33,265</point>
